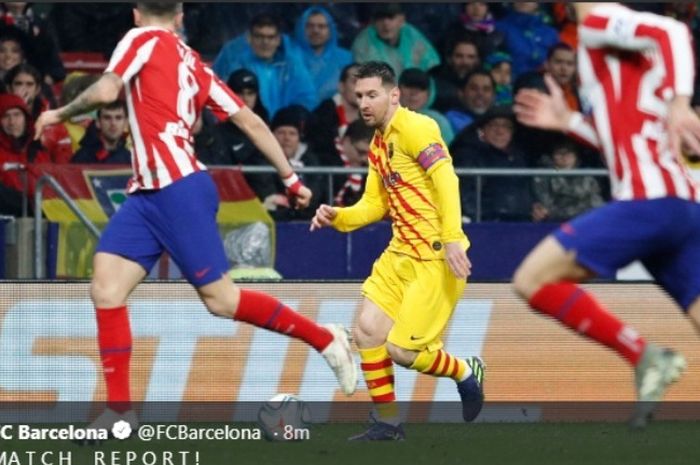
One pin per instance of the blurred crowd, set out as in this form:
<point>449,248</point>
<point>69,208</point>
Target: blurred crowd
<point>293,64</point>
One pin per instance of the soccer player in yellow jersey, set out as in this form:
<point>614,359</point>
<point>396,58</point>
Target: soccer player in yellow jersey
<point>417,281</point>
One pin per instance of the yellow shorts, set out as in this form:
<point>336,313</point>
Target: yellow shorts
<point>418,295</point>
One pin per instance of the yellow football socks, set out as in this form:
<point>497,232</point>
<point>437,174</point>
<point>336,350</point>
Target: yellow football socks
<point>440,363</point>
<point>378,370</point>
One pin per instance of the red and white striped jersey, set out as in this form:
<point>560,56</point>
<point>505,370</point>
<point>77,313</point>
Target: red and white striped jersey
<point>167,85</point>
<point>631,65</point>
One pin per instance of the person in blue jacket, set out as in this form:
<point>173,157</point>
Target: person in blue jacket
<point>274,58</point>
<point>317,37</point>
<point>528,37</point>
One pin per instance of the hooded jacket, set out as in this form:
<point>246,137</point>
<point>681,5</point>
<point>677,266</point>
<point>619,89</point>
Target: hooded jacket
<point>284,80</point>
<point>21,149</point>
<point>325,67</point>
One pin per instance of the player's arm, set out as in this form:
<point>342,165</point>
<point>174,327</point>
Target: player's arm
<point>105,90</point>
<point>550,111</point>
<point>225,104</point>
<point>130,55</point>
<point>372,207</point>
<point>259,133</point>
<point>430,151</point>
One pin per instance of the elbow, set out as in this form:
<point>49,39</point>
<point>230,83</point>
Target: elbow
<point>110,89</point>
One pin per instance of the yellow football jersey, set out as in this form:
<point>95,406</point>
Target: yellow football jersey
<point>404,163</point>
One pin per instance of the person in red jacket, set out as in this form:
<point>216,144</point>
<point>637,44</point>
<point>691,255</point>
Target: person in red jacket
<point>26,81</point>
<point>17,145</point>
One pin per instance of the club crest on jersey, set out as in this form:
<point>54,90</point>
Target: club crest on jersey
<point>391,179</point>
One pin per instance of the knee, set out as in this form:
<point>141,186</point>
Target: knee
<point>366,335</point>
<point>403,357</point>
<point>106,293</point>
<point>223,304</point>
<point>524,284</point>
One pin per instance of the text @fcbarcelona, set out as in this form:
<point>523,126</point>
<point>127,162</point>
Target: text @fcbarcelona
<point>122,430</point>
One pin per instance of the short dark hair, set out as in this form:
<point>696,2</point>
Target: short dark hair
<point>25,68</point>
<point>559,46</point>
<point>565,145</point>
<point>358,130</point>
<point>160,9</point>
<point>476,72</point>
<point>414,78</point>
<point>265,20</point>
<point>115,105</point>
<point>453,42</point>
<point>345,72</point>
<point>385,10</point>
<point>380,69</point>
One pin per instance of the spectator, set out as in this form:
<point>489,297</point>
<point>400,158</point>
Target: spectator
<point>430,18</point>
<point>43,52</point>
<point>565,20</point>
<point>499,65</point>
<point>105,141</point>
<point>391,39</point>
<point>488,144</point>
<point>274,59</point>
<point>209,25</point>
<point>235,146</point>
<point>561,198</point>
<point>11,52</point>
<point>461,58</point>
<point>331,118</point>
<point>91,27</point>
<point>476,95</point>
<point>478,24</point>
<point>245,83</point>
<point>354,151</point>
<point>561,64</point>
<point>527,36</point>
<point>25,81</point>
<point>288,127</point>
<point>74,84</point>
<point>16,146</point>
<point>417,94</point>
<point>318,39</point>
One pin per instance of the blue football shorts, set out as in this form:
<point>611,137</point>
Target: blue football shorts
<point>664,234</point>
<point>179,219</point>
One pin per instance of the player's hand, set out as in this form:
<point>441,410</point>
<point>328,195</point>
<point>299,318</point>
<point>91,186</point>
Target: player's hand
<point>298,194</point>
<point>47,118</point>
<point>457,260</point>
<point>325,214</point>
<point>301,198</point>
<point>546,111</point>
<point>683,126</point>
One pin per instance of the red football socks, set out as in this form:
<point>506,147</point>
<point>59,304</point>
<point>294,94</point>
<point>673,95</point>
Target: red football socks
<point>578,310</point>
<point>114,341</point>
<point>264,311</point>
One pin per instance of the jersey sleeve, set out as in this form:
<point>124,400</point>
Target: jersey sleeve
<point>620,27</point>
<point>424,143</point>
<point>221,100</point>
<point>581,128</point>
<point>131,53</point>
<point>372,206</point>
